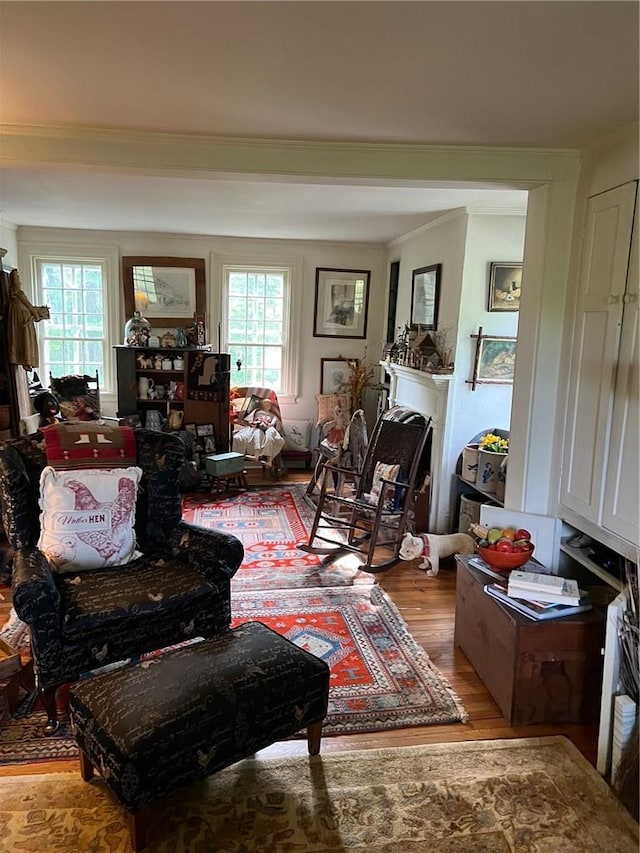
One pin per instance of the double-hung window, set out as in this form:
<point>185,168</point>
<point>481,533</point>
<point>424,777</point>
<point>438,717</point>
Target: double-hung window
<point>257,328</point>
<point>83,323</point>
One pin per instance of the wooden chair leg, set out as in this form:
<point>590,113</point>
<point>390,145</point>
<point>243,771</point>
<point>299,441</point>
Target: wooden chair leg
<point>138,829</point>
<point>48,699</point>
<point>314,736</point>
<point>86,767</point>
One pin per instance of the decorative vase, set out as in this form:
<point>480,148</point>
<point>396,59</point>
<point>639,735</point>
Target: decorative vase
<point>145,384</point>
<point>469,470</point>
<point>153,420</point>
<point>176,418</point>
<point>502,478</point>
<point>488,466</point>
<point>137,330</point>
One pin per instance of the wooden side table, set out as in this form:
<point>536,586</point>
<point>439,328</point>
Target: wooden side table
<point>537,672</point>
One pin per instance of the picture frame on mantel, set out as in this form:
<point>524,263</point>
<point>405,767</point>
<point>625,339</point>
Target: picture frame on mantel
<point>341,303</point>
<point>425,297</point>
<point>166,291</point>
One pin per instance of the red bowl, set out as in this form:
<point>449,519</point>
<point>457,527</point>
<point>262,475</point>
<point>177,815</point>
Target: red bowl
<point>502,561</point>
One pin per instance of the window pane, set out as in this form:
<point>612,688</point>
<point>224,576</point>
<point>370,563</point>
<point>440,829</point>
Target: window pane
<point>255,301</point>
<point>73,339</point>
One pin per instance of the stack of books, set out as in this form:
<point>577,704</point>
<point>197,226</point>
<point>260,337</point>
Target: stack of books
<point>540,596</point>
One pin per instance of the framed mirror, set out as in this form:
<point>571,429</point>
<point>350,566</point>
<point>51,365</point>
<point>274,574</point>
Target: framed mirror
<point>425,296</point>
<point>166,291</point>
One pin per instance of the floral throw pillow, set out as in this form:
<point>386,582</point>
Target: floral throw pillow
<point>87,517</point>
<point>386,472</point>
<point>296,435</point>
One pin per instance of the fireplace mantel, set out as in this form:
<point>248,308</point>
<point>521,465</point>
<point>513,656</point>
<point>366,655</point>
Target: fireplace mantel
<point>430,394</point>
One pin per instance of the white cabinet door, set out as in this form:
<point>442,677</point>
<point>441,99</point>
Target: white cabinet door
<point>603,275</point>
<point>621,512</point>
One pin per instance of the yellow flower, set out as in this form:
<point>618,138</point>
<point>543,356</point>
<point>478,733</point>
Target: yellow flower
<point>494,443</point>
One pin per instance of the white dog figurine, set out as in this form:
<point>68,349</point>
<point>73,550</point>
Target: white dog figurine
<point>431,547</point>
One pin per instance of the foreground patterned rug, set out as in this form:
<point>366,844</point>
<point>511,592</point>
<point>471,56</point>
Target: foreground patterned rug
<point>269,523</point>
<point>511,796</point>
<point>380,677</point>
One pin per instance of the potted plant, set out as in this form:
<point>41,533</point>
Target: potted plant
<point>491,455</point>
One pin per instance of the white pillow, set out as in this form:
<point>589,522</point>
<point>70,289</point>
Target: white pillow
<point>296,435</point>
<point>87,517</point>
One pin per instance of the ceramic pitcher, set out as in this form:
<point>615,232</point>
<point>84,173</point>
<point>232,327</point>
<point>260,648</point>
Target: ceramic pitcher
<point>176,418</point>
<point>145,384</point>
<point>153,420</point>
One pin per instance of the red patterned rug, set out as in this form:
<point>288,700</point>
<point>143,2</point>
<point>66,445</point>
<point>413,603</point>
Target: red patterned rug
<point>269,523</point>
<point>380,677</point>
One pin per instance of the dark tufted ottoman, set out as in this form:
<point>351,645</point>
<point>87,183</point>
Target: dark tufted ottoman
<point>163,723</point>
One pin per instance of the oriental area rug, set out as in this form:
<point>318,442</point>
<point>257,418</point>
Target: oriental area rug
<point>269,523</point>
<point>380,677</point>
<point>508,796</point>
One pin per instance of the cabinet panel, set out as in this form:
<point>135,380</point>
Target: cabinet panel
<point>622,489</point>
<point>603,276</point>
<point>205,397</point>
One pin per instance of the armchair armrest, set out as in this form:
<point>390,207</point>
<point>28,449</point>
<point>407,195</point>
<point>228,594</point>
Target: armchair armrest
<point>210,551</point>
<point>337,469</point>
<point>34,591</point>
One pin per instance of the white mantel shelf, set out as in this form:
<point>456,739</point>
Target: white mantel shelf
<point>429,394</point>
<point>425,377</point>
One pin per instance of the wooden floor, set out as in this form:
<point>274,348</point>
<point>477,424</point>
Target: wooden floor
<point>427,606</point>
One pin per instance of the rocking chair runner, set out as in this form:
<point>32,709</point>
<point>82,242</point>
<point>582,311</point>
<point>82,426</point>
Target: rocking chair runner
<point>377,515</point>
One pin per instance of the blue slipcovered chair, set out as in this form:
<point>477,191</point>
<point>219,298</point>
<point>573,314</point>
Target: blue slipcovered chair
<point>100,616</point>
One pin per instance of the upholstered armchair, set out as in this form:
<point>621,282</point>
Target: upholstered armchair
<point>178,589</point>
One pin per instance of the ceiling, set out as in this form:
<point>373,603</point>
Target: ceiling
<point>523,74</point>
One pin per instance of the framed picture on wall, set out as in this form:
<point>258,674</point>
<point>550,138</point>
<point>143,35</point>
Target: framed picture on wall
<point>505,283</point>
<point>341,304</point>
<point>166,291</point>
<point>494,361</point>
<point>334,372</point>
<point>425,296</point>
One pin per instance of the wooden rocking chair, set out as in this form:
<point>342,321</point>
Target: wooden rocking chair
<point>373,521</point>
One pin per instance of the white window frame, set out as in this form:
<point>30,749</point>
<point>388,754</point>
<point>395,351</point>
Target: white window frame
<point>219,264</point>
<point>108,256</point>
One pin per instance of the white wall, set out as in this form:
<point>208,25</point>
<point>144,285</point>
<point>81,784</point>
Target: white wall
<point>465,245</point>
<point>439,242</point>
<point>489,239</point>
<point>309,254</point>
<point>9,241</point>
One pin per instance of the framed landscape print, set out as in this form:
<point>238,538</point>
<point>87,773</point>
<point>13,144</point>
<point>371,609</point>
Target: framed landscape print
<point>505,284</point>
<point>425,296</point>
<point>341,303</point>
<point>166,291</point>
<point>495,360</point>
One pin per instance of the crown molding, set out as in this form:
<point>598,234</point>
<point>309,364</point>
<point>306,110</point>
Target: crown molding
<point>443,219</point>
<point>171,153</point>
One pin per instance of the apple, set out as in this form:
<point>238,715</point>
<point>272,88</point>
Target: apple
<point>504,546</point>
<point>522,533</point>
<point>494,534</point>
